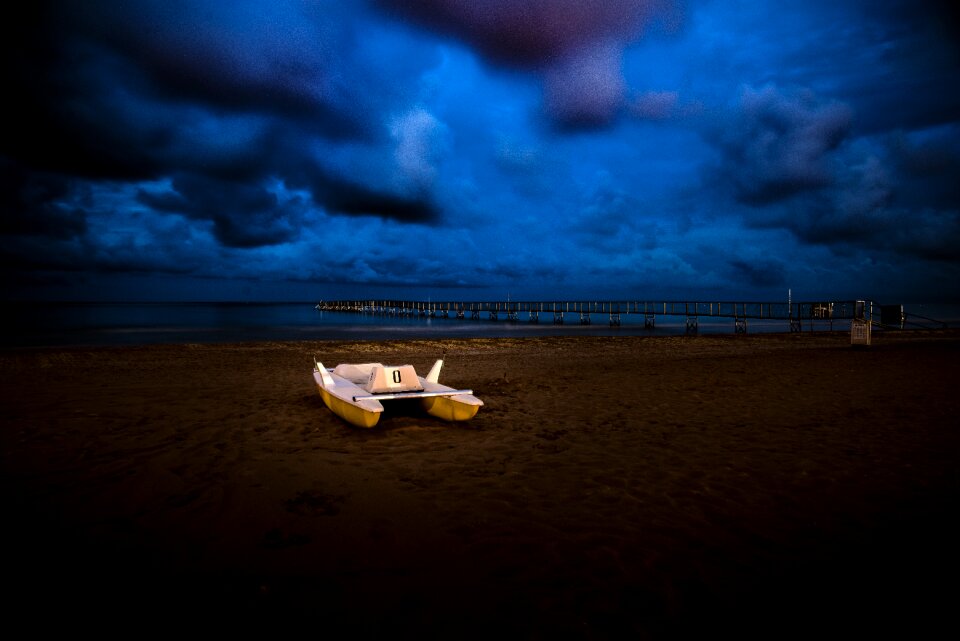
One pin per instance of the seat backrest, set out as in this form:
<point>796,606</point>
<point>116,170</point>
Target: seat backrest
<point>356,373</point>
<point>392,378</point>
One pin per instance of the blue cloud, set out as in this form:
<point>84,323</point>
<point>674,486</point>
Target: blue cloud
<point>613,147</point>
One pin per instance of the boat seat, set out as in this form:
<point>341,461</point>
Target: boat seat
<point>399,378</point>
<point>358,373</point>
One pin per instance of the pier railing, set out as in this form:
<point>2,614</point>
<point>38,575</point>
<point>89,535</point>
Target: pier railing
<point>721,309</point>
<point>812,313</point>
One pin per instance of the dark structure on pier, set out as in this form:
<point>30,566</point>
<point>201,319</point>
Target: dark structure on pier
<point>584,312</point>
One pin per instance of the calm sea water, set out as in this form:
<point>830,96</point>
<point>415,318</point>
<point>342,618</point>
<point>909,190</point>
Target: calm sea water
<point>114,324</point>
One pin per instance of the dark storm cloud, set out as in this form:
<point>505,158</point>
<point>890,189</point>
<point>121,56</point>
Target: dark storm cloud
<point>762,273</point>
<point>611,220</point>
<point>867,164</point>
<point>880,206</point>
<point>288,140</point>
<point>243,57</point>
<point>342,195</point>
<point>576,44</point>
<point>243,215</point>
<point>226,97</point>
<point>29,205</point>
<point>907,58</point>
<point>777,144</point>
<point>100,74</point>
<point>375,191</point>
<point>928,169</point>
<point>927,235</point>
<point>586,90</point>
<point>534,33</point>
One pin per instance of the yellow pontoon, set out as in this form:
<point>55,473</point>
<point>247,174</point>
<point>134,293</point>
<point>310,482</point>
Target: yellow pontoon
<point>354,391</point>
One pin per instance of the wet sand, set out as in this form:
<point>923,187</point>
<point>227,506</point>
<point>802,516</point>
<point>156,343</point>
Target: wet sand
<point>775,486</point>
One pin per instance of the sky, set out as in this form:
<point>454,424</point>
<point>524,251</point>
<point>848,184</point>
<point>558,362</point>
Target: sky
<point>481,150</point>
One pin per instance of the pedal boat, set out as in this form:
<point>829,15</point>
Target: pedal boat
<point>355,392</point>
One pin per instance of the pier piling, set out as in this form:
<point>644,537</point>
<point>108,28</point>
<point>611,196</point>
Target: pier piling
<point>816,315</point>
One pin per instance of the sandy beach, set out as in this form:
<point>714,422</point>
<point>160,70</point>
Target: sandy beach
<point>775,486</point>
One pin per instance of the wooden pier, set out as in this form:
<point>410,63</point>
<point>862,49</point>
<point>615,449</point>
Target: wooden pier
<point>823,313</point>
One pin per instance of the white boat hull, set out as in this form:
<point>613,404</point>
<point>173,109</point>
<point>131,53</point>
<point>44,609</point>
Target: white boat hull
<point>350,398</point>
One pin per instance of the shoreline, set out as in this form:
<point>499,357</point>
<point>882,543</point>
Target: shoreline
<point>145,336</point>
<point>650,486</point>
<point>537,333</point>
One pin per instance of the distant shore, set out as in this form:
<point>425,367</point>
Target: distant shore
<point>767,485</point>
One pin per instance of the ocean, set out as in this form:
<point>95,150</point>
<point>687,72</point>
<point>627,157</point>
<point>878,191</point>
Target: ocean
<point>129,324</point>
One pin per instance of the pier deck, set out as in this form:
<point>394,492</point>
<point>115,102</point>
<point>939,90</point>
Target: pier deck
<point>558,311</point>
